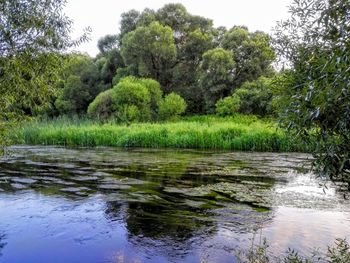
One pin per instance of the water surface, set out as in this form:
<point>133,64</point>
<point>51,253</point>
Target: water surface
<point>149,205</point>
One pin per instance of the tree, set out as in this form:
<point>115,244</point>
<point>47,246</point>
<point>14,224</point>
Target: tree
<point>191,37</point>
<point>185,74</point>
<point>151,50</point>
<point>216,76</point>
<point>176,17</point>
<point>155,93</point>
<point>128,23</point>
<point>228,106</point>
<point>171,107</point>
<point>181,22</point>
<point>33,36</point>
<point>255,96</point>
<point>108,64</point>
<point>132,101</point>
<point>252,53</point>
<point>107,43</point>
<point>79,85</point>
<point>315,42</point>
<point>146,17</point>
<point>102,107</point>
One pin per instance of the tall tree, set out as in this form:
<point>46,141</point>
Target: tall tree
<point>152,50</point>
<point>252,53</point>
<point>79,85</point>
<point>315,42</point>
<point>128,23</point>
<point>216,76</point>
<point>107,43</point>
<point>186,73</point>
<point>33,35</point>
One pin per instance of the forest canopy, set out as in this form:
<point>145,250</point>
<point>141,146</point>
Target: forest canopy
<point>184,53</point>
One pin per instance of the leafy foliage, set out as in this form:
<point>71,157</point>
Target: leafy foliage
<point>107,43</point>
<point>315,41</point>
<point>33,36</point>
<point>136,99</point>
<point>102,107</point>
<point>252,54</point>
<point>108,65</point>
<point>151,50</point>
<point>191,37</point>
<point>79,85</point>
<point>132,101</point>
<point>216,75</point>
<point>228,106</point>
<point>155,93</point>
<point>171,107</point>
<point>255,97</point>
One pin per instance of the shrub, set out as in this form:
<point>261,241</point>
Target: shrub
<point>132,99</point>
<point>171,107</point>
<point>255,97</point>
<point>130,92</point>
<point>102,106</point>
<point>228,106</point>
<point>154,89</point>
<point>128,113</point>
<point>155,93</point>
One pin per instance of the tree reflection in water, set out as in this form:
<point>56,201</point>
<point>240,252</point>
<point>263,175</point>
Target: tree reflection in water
<point>2,242</point>
<point>175,204</point>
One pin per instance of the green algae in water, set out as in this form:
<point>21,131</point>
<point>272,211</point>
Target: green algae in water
<point>160,204</point>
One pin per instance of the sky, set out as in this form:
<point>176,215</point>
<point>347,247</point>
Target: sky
<point>103,16</point>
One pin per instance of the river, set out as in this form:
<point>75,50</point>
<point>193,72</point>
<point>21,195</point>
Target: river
<point>155,205</point>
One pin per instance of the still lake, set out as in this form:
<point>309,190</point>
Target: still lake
<point>152,205</point>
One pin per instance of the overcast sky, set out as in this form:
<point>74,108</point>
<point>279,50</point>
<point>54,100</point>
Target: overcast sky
<point>103,16</point>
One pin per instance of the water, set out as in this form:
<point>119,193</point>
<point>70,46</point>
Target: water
<point>146,205</point>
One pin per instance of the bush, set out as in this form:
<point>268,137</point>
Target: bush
<point>79,85</point>
<point>154,90</point>
<point>130,92</point>
<point>128,113</point>
<point>255,97</point>
<point>228,106</point>
<point>102,106</point>
<point>155,93</point>
<point>171,107</point>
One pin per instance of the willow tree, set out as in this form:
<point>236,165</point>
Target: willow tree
<point>316,43</point>
<point>33,37</point>
<point>151,50</point>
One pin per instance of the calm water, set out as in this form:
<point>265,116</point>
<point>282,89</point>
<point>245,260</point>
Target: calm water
<point>144,205</point>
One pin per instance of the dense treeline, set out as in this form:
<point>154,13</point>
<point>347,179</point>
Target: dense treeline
<point>184,53</point>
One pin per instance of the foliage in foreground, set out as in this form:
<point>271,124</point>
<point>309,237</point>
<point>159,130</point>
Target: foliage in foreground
<point>315,40</point>
<point>339,252</point>
<point>245,133</point>
<point>33,38</point>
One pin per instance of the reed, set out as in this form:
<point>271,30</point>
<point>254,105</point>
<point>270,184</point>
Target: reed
<point>241,133</point>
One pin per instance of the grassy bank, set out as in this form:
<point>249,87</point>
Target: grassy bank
<point>243,133</point>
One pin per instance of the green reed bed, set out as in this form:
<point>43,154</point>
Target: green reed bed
<point>243,133</point>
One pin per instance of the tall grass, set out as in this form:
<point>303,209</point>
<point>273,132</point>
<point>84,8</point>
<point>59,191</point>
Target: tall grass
<point>243,133</point>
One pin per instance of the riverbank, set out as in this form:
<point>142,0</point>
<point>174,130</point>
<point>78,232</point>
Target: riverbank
<point>241,133</point>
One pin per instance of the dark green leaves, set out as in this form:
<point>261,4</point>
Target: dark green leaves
<point>316,43</point>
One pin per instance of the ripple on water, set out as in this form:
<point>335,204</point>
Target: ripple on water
<point>151,205</point>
